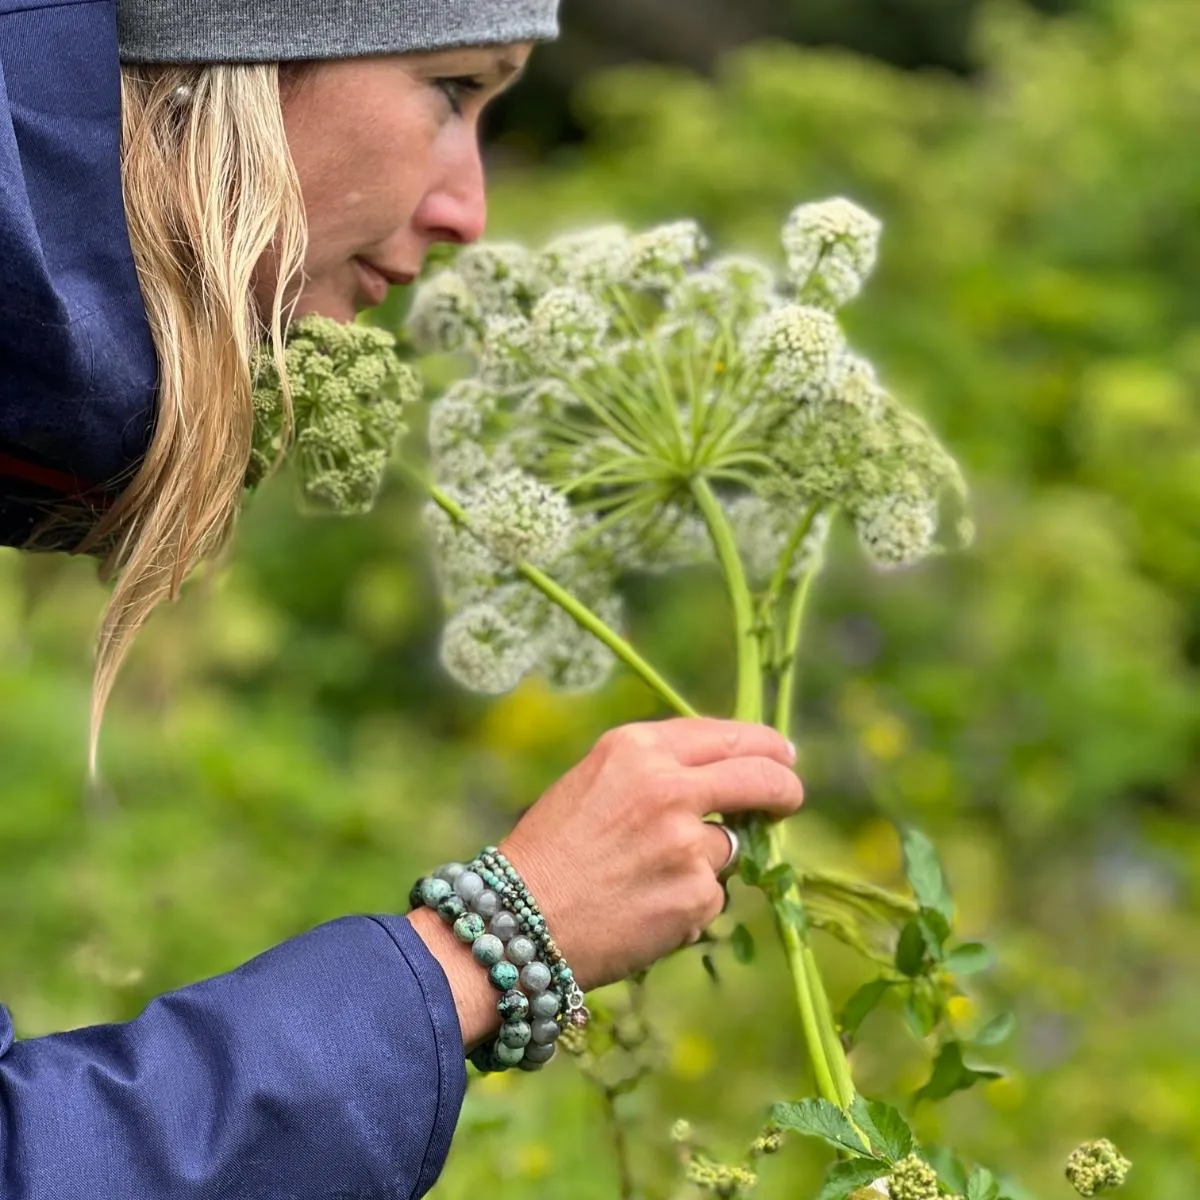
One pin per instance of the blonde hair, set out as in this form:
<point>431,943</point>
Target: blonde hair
<point>209,185</point>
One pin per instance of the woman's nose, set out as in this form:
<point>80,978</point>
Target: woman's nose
<point>456,209</point>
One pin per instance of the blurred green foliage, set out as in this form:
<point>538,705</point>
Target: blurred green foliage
<point>284,748</point>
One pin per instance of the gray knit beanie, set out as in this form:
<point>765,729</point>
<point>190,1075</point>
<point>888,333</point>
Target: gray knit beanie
<point>205,31</point>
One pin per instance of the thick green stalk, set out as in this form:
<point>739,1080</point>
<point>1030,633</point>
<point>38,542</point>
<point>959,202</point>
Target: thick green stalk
<point>749,657</point>
<point>817,1025</point>
<point>832,1043</point>
<point>791,646</point>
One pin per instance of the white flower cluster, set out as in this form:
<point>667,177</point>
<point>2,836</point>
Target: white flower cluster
<point>445,315</point>
<point>568,327</point>
<point>615,369</point>
<point>831,248</point>
<point>520,519</point>
<point>659,258</point>
<point>591,260</point>
<point>801,352</point>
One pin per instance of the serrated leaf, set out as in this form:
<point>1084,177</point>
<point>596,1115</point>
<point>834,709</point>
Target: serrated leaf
<point>742,943</point>
<point>998,1029</point>
<point>921,1012</point>
<point>969,959</point>
<point>982,1185</point>
<point>924,872</point>
<point>845,1178</point>
<point>862,1004</point>
<point>886,1129</point>
<point>950,1074</point>
<point>910,950</point>
<point>819,1119</point>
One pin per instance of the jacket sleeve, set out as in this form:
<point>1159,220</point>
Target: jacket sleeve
<point>328,1068</point>
<point>78,370</point>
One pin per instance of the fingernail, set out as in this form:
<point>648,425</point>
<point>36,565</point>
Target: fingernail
<point>795,752</point>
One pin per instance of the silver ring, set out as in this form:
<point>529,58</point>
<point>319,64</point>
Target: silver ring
<point>735,849</point>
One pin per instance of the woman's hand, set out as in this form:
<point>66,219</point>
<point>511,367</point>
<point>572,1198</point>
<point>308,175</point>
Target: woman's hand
<point>617,853</point>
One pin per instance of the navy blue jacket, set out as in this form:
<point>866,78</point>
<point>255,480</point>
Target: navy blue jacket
<point>78,372</point>
<point>331,1067</point>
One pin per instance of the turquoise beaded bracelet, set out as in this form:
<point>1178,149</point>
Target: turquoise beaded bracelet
<point>493,912</point>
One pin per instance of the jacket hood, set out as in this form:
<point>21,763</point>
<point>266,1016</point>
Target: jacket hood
<point>78,371</point>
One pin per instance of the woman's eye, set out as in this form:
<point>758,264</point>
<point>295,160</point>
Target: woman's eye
<point>457,89</point>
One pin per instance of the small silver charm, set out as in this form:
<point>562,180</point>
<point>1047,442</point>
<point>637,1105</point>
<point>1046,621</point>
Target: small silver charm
<point>181,95</point>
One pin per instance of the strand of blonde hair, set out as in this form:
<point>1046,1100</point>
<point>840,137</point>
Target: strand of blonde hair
<point>209,185</point>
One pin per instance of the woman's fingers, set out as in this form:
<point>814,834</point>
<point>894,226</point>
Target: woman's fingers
<point>698,741</point>
<point>745,785</point>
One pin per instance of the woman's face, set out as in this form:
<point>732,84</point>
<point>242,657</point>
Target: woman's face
<point>387,150</point>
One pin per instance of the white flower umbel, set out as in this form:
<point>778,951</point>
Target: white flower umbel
<point>659,258</point>
<point>520,519</point>
<point>831,248</point>
<point>485,651</point>
<point>589,260</point>
<point>445,315</point>
<point>800,351</point>
<point>898,530</point>
<point>503,278</point>
<point>457,416</point>
<point>568,327</point>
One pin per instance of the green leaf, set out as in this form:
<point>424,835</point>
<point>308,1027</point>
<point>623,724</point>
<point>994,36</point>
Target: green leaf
<point>845,1178</point>
<point>982,1185</point>
<point>862,1004</point>
<point>886,1129</point>
<point>710,969</point>
<point>969,959</point>
<point>819,1119</point>
<point>742,942</point>
<point>925,872</point>
<point>997,1030</point>
<point>750,872</point>
<point>778,880</point>
<point>950,1074</point>
<point>921,1012</point>
<point>910,950</point>
<point>935,929</point>
<point>793,914</point>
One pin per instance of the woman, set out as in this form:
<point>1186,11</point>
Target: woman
<point>176,181</point>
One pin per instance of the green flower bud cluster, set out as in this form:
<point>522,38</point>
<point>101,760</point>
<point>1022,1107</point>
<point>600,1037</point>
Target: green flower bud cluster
<point>349,390</point>
<point>613,371</point>
<point>721,1179</point>
<point>912,1179</point>
<point>1096,1167</point>
<point>770,1141</point>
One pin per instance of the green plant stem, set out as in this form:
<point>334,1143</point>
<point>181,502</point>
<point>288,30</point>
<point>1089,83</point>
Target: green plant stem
<point>810,993</point>
<point>571,605</point>
<point>791,645</point>
<point>749,657</point>
<point>842,1084</point>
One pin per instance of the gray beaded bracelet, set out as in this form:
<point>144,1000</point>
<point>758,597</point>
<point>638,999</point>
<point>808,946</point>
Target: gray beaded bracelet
<point>479,903</point>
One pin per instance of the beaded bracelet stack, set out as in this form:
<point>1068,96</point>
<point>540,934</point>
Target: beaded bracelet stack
<point>495,914</point>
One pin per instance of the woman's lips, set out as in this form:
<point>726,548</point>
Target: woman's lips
<point>375,284</point>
